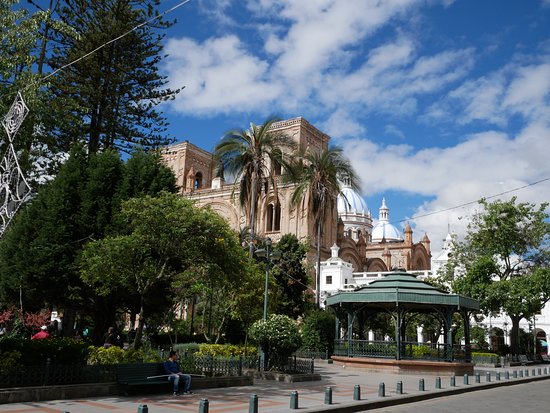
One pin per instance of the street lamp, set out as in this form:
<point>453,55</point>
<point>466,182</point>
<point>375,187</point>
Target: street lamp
<point>269,256</point>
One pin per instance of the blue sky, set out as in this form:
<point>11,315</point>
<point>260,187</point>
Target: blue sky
<point>436,102</point>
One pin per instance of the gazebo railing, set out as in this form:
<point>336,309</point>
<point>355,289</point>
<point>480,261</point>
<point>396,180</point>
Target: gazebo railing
<point>409,350</point>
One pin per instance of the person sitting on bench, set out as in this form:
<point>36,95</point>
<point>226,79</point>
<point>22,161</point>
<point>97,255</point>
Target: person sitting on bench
<point>172,368</point>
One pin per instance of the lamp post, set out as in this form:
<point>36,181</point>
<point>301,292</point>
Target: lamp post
<point>269,256</point>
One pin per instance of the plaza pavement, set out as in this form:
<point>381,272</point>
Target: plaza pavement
<point>274,397</point>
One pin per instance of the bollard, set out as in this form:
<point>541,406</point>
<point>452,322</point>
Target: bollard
<point>497,376</point>
<point>357,392</point>
<point>488,377</point>
<point>203,406</point>
<point>142,408</point>
<point>421,386</point>
<point>438,382</point>
<point>294,400</point>
<point>399,388</point>
<point>453,381</point>
<point>381,390</point>
<point>515,374</point>
<point>507,375</point>
<point>478,378</point>
<point>253,405</point>
<point>465,379</point>
<point>328,395</point>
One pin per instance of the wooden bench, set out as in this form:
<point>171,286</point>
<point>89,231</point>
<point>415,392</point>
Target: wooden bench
<point>522,358</point>
<point>141,374</point>
<point>148,375</point>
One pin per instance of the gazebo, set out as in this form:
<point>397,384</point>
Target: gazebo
<point>401,295</point>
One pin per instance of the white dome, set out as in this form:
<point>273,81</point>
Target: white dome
<point>349,201</point>
<point>383,229</point>
<point>387,231</point>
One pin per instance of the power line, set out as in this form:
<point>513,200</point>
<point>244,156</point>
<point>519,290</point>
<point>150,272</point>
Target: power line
<point>476,201</point>
<point>113,40</point>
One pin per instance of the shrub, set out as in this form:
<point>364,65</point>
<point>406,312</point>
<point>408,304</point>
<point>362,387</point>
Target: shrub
<point>9,359</point>
<point>102,355</point>
<point>318,332</point>
<point>279,338</point>
<point>485,358</point>
<point>185,349</point>
<point>116,355</point>
<point>59,350</point>
<point>226,350</point>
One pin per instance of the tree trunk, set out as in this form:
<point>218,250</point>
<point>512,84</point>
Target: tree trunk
<point>139,331</point>
<point>514,334</point>
<point>252,223</point>
<point>318,269</point>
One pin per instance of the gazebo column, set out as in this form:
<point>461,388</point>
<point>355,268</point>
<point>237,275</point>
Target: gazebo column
<point>399,314</point>
<point>351,318</point>
<point>448,327</point>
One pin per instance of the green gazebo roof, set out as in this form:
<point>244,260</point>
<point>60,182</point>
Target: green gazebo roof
<point>402,289</point>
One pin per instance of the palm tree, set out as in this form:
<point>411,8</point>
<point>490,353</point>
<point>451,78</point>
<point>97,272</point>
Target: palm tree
<point>318,177</point>
<point>253,156</point>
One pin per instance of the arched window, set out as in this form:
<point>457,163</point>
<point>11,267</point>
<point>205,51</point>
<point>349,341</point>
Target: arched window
<point>273,217</point>
<point>198,181</point>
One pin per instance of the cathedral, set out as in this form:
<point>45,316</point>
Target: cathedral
<point>365,245</point>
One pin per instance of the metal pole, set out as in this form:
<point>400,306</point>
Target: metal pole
<point>268,252</point>
<point>534,337</point>
<point>294,400</point>
<point>357,392</point>
<point>203,406</point>
<point>381,390</point>
<point>328,395</point>
<point>253,405</point>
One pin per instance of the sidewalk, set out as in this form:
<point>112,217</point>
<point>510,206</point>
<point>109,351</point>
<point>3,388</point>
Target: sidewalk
<point>274,397</point>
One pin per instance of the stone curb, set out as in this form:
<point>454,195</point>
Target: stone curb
<point>370,404</point>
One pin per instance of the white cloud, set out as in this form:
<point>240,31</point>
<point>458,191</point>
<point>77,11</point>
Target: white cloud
<point>496,97</point>
<point>347,61</point>
<point>219,76</point>
<point>486,164</point>
<point>394,130</point>
<point>340,123</point>
<point>312,49</point>
<point>528,91</point>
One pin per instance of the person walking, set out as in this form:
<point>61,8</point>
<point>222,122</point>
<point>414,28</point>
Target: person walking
<point>42,334</point>
<point>172,368</point>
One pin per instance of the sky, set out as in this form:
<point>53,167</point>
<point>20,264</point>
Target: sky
<point>437,103</point>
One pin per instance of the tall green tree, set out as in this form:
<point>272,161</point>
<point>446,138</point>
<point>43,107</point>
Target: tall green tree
<point>39,250</point>
<point>38,253</point>
<point>20,44</point>
<point>290,277</point>
<point>254,157</point>
<point>162,240</point>
<point>112,88</point>
<point>503,261</point>
<point>319,175</point>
